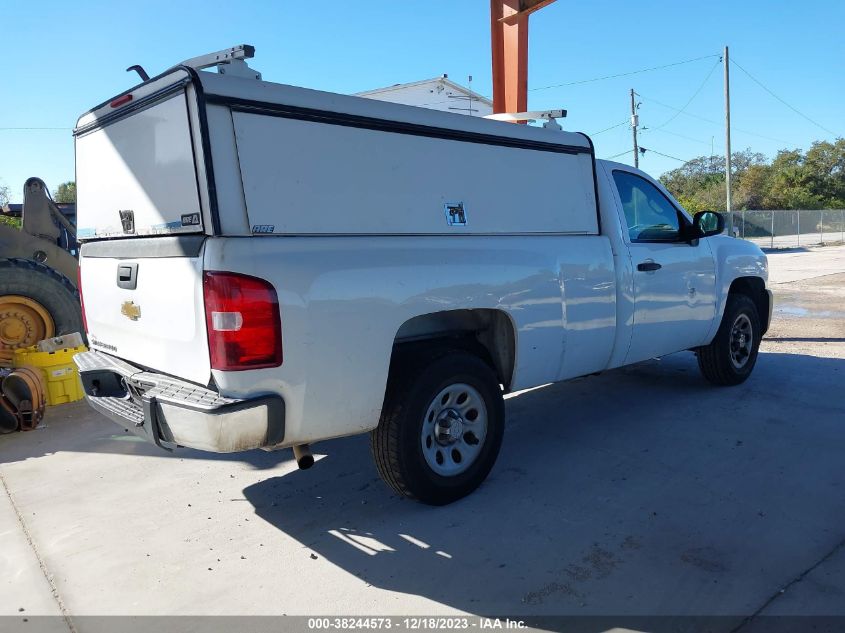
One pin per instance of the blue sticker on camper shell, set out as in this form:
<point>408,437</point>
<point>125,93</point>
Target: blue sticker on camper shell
<point>263,228</point>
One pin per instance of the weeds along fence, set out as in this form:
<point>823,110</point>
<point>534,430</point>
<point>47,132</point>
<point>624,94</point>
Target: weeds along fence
<point>790,228</point>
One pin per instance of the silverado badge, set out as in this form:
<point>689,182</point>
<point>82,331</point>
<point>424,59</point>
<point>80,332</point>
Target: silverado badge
<point>131,310</point>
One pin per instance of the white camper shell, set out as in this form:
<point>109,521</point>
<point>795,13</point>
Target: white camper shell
<point>196,152</point>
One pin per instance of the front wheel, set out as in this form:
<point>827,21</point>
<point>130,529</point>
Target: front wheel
<point>441,426</point>
<point>731,356</point>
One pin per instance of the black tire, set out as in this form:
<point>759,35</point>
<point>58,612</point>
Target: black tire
<point>51,289</point>
<point>715,360</point>
<point>396,443</point>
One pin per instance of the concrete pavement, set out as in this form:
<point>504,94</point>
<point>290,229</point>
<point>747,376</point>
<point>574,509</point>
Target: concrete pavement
<point>641,491</point>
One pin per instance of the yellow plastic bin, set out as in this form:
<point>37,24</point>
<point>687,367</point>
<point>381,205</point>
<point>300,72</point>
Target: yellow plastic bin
<point>59,370</point>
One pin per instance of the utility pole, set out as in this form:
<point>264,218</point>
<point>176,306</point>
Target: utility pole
<point>728,141</point>
<point>634,123</point>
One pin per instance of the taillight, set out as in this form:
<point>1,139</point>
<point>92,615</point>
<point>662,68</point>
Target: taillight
<point>81,300</point>
<point>243,322</point>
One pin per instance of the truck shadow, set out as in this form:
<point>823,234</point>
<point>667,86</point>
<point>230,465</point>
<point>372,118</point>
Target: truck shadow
<point>645,491</point>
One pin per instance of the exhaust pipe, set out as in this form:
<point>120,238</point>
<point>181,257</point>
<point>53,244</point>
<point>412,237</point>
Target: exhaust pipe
<point>303,456</point>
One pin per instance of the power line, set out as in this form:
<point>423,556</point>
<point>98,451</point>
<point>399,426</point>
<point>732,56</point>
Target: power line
<point>643,150</point>
<point>692,98</point>
<point>676,109</point>
<point>794,109</point>
<point>626,74</point>
<point>627,151</point>
<point>701,118</point>
<point>429,103</point>
<point>12,129</point>
<point>684,136</point>
<point>612,127</point>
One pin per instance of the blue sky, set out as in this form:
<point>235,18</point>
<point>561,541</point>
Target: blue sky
<point>64,57</point>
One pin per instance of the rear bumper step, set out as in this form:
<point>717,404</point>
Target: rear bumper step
<point>170,412</point>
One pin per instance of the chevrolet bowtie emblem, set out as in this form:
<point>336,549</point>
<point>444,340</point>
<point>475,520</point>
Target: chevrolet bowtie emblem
<point>131,310</point>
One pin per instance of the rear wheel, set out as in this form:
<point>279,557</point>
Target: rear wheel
<point>36,303</point>
<point>441,427</point>
<point>731,356</point>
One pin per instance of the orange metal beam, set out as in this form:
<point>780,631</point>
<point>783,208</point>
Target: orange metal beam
<point>527,7</point>
<point>510,57</point>
<point>509,39</point>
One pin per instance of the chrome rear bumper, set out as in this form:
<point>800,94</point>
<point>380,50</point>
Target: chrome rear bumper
<point>170,412</point>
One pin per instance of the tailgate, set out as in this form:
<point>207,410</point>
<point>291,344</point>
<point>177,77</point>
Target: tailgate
<point>148,310</point>
<point>140,221</point>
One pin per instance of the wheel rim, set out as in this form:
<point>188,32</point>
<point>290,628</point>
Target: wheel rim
<point>742,341</point>
<point>23,322</point>
<point>454,429</point>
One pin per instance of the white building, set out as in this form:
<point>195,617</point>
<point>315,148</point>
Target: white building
<point>440,93</point>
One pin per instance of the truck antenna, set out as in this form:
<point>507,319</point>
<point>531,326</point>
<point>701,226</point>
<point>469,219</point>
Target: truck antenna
<point>140,70</point>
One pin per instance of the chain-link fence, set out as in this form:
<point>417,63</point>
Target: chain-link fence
<point>789,229</point>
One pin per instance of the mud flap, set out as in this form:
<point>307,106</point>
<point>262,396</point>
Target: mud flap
<point>154,429</point>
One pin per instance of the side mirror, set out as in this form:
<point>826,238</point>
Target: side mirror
<point>708,223</point>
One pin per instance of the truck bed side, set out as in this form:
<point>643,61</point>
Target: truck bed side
<point>344,299</point>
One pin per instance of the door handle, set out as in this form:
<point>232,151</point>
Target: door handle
<point>127,276</point>
<point>649,267</point>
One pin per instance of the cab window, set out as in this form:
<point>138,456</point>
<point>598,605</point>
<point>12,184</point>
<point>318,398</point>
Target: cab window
<point>649,214</point>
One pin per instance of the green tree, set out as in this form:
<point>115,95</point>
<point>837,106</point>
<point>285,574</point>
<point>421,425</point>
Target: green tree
<point>690,179</point>
<point>790,187</point>
<point>814,179</point>
<point>824,166</point>
<point>66,192</point>
<point>751,187</point>
<point>4,200</point>
<point>699,184</point>
<point>13,222</point>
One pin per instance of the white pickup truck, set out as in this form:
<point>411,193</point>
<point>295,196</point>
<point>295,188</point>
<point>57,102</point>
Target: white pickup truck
<point>266,266</point>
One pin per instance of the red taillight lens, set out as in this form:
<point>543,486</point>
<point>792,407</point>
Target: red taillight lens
<point>81,300</point>
<point>242,318</point>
